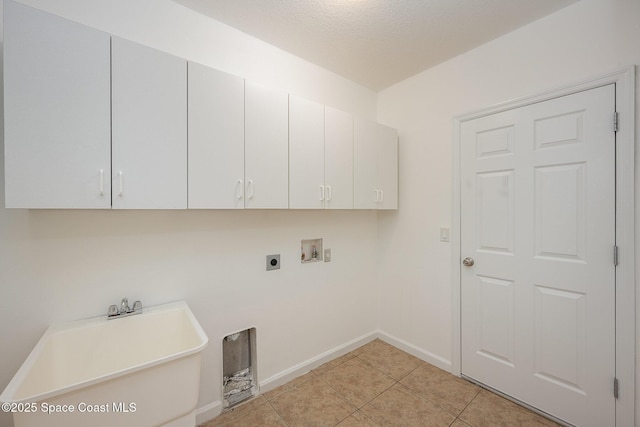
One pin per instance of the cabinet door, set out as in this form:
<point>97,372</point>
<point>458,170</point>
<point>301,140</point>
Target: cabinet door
<point>365,158</point>
<point>56,110</point>
<point>387,167</point>
<point>266,148</point>
<point>306,154</point>
<point>338,159</point>
<point>149,129</point>
<point>216,139</point>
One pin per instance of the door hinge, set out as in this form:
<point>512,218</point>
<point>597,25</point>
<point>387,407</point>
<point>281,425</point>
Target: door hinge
<point>615,388</point>
<point>615,255</point>
<point>615,121</point>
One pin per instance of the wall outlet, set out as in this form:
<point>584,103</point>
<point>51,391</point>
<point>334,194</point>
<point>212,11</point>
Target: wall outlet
<point>273,262</point>
<point>327,255</point>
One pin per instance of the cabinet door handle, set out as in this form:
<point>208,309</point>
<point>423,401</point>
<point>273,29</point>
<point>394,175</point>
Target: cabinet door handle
<point>328,193</point>
<point>240,191</point>
<point>321,192</point>
<point>381,196</point>
<point>250,189</point>
<point>377,195</point>
<point>102,182</point>
<point>120,184</point>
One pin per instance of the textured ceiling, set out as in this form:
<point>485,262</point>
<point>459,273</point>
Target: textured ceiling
<point>376,42</point>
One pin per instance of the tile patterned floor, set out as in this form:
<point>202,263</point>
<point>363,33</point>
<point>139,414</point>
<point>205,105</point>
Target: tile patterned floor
<point>378,385</point>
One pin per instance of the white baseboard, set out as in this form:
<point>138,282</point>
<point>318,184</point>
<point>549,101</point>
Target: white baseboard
<point>214,409</point>
<point>304,367</point>
<point>208,412</point>
<point>420,353</point>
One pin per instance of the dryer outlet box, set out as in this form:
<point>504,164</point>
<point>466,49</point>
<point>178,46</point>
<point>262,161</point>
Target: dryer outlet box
<point>273,262</point>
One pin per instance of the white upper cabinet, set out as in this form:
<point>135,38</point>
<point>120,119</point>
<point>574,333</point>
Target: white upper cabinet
<point>320,156</point>
<point>338,159</point>
<point>56,112</point>
<point>375,166</point>
<point>96,121</point>
<point>365,164</point>
<point>149,128</point>
<point>266,148</point>
<point>216,139</point>
<point>306,154</point>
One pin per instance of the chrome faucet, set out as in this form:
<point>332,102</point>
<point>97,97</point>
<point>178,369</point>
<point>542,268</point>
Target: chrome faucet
<point>124,309</point>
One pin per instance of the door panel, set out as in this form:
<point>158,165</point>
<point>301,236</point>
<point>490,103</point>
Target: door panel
<point>495,142</point>
<point>496,325</point>
<point>495,211</point>
<point>306,154</point>
<point>57,112</point>
<point>216,139</point>
<point>365,164</point>
<point>266,161</point>
<point>538,217</point>
<point>560,314</point>
<point>338,158</point>
<point>149,128</point>
<point>560,212</point>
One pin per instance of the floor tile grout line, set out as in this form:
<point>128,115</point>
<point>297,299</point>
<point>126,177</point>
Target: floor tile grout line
<point>348,416</point>
<point>344,399</point>
<point>362,414</point>
<point>358,408</point>
<point>465,407</point>
<point>386,374</point>
<point>337,393</point>
<point>370,400</point>
<point>436,404</point>
<point>278,413</point>
<point>231,411</point>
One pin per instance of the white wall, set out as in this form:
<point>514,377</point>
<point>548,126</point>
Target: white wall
<point>57,265</point>
<point>62,265</point>
<point>587,39</point>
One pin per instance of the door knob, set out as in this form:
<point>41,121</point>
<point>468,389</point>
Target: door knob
<point>468,262</point>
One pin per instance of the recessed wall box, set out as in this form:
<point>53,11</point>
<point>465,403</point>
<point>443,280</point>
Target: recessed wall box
<point>311,250</point>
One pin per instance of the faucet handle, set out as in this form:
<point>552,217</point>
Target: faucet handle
<point>137,306</point>
<point>124,306</point>
<point>113,311</point>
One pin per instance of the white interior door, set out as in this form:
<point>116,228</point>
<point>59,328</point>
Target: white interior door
<point>538,223</point>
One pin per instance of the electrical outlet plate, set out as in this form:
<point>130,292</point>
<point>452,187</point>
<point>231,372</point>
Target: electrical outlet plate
<point>273,262</point>
<point>327,255</point>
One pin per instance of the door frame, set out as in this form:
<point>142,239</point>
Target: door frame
<point>624,80</point>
